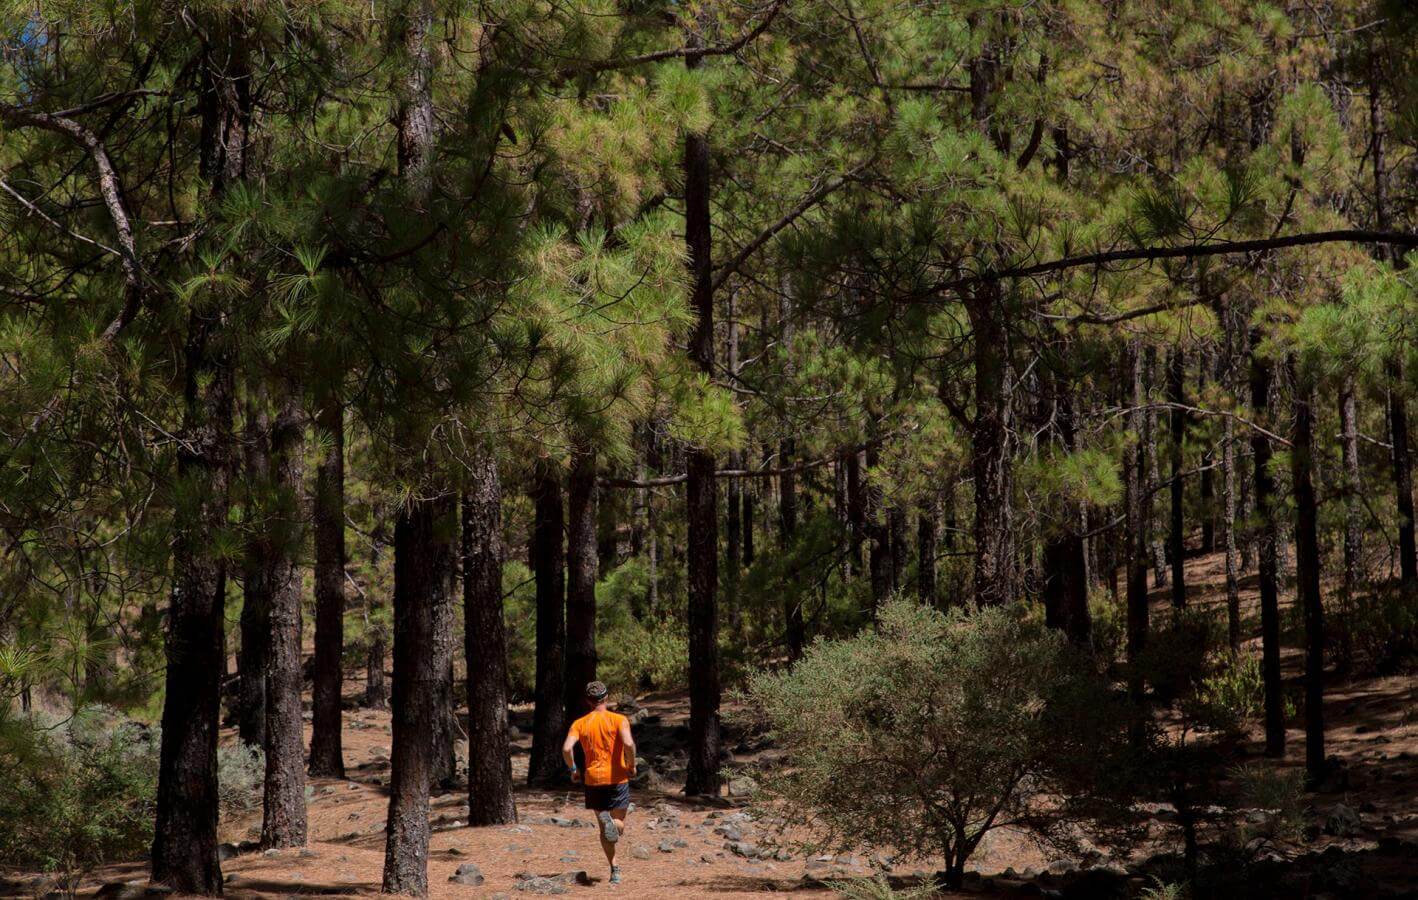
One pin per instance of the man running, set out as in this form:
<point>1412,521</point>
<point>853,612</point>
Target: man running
<point>609,749</point>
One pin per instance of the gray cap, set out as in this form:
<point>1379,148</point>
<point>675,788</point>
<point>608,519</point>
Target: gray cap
<point>596,691</point>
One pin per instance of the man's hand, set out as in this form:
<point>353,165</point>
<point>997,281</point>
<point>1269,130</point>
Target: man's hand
<point>575,776</point>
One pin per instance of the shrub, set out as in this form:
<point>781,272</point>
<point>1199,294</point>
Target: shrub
<point>879,888</point>
<point>935,729</point>
<point>241,774</point>
<point>76,794</point>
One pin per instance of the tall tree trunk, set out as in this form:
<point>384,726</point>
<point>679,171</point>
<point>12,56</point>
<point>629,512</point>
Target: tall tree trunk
<point>1138,511</point>
<point>446,729</point>
<point>376,688</point>
<point>733,517</point>
<point>795,628</point>
<point>326,746</point>
<point>1176,537</point>
<point>1207,369</point>
<point>1307,566</point>
<point>1353,515</point>
<point>490,800</point>
<point>421,549</point>
<point>991,457</point>
<point>1264,487</point>
<point>581,578</point>
<point>748,502</point>
<point>1065,559</point>
<point>549,713</point>
<point>284,823</point>
<point>184,851</point>
<point>925,555</point>
<point>1154,472</point>
<point>701,491</point>
<point>421,530</point>
<point>856,510</point>
<point>255,622</point>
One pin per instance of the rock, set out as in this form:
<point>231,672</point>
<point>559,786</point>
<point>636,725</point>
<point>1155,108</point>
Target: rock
<point>307,853</point>
<point>742,848</point>
<point>132,890</point>
<point>518,829</point>
<point>667,847</point>
<point>468,874</point>
<point>271,853</point>
<point>226,852</point>
<point>742,786</point>
<point>563,822</point>
<point>729,832</point>
<point>1063,867</point>
<point>1342,821</point>
<point>536,884</point>
<point>640,852</point>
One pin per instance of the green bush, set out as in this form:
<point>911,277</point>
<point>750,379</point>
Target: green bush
<point>931,731</point>
<point>241,775</point>
<point>650,652</point>
<point>76,794</point>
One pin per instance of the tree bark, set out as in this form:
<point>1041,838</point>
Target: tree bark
<point>795,628</point>
<point>581,579</point>
<point>326,745</point>
<point>1065,557</point>
<point>1176,538</point>
<point>1154,472</point>
<point>421,549</point>
<point>255,620</point>
<point>1307,566</point>
<point>925,555</point>
<point>420,530</point>
<point>701,490</point>
<point>856,510</point>
<point>490,798</point>
<point>376,688</point>
<point>1264,487</point>
<point>991,459</point>
<point>1353,514</point>
<point>1137,514</point>
<point>549,713</point>
<point>283,823</point>
<point>184,852</point>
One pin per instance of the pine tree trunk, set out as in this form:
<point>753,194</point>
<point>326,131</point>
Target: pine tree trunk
<point>284,822</point>
<point>795,628</point>
<point>1176,538</point>
<point>733,546</point>
<point>581,579</point>
<point>1207,369</point>
<point>701,491</point>
<point>326,745</point>
<point>420,531</point>
<point>184,852</point>
<point>421,549</point>
<point>255,622</point>
<point>1065,560</point>
<point>1137,514</point>
<point>490,798</point>
<point>748,503</point>
<point>376,688</point>
<point>1307,564</point>
<point>925,556</point>
<point>1353,515</point>
<point>856,511</point>
<point>549,714</point>
<point>1260,378</point>
<point>994,527</point>
<point>1154,472</point>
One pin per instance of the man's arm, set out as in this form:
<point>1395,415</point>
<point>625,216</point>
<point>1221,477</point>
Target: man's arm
<point>566,747</point>
<point>628,741</point>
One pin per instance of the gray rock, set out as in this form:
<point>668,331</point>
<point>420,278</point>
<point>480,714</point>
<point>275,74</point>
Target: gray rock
<point>640,852</point>
<point>226,852</point>
<point>742,786</point>
<point>307,853</point>
<point>132,890</point>
<point>742,848</point>
<point>535,884</point>
<point>468,874</point>
<point>1342,821</point>
<point>667,847</point>
<point>729,832</point>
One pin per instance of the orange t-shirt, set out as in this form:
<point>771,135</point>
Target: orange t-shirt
<point>599,734</point>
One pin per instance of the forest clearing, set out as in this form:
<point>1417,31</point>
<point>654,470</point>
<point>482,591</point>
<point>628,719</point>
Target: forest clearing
<point>854,448</point>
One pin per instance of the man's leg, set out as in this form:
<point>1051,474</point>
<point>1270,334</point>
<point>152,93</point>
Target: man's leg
<point>608,846</point>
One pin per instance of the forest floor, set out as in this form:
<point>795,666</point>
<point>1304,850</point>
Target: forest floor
<point>678,848</point>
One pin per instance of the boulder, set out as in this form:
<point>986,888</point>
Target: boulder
<point>468,874</point>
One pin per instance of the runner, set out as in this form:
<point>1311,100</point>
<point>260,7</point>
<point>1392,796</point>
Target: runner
<point>609,751</point>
